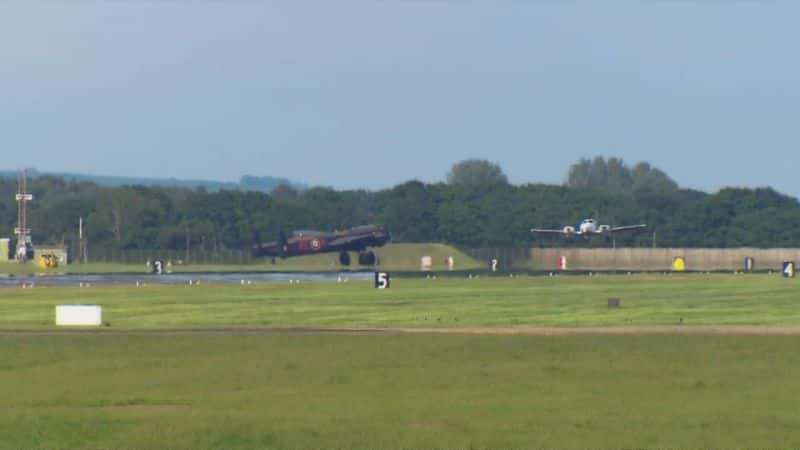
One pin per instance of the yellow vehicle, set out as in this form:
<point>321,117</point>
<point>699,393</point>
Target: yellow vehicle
<point>48,261</point>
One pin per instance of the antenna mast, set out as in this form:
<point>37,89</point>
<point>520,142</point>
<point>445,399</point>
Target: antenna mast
<point>23,232</point>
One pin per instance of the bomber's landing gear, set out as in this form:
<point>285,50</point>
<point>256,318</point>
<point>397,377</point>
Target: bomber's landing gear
<point>366,259</point>
<point>344,258</point>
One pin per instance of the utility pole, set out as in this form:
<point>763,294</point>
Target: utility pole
<point>80,239</point>
<point>82,243</point>
<point>186,260</point>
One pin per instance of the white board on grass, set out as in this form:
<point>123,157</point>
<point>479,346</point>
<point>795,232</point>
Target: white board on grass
<point>86,315</point>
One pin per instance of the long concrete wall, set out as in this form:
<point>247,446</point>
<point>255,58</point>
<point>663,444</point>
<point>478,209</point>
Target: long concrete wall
<point>661,258</point>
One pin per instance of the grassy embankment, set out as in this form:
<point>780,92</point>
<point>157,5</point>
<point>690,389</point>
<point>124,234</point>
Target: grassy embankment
<point>403,257</point>
<point>688,299</point>
<point>399,391</point>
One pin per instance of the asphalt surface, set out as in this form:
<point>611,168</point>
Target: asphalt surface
<point>181,278</point>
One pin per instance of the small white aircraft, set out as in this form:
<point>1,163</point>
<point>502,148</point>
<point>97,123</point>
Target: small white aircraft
<point>589,227</point>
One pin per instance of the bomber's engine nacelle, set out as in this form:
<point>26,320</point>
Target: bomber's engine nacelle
<point>604,228</point>
<point>568,230</point>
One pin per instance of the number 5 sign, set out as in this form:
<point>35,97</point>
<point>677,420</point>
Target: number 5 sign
<point>382,280</point>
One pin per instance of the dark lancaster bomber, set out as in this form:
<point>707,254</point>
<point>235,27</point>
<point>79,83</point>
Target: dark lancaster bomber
<point>357,239</point>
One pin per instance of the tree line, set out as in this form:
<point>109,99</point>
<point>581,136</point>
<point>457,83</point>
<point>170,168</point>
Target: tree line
<point>476,207</point>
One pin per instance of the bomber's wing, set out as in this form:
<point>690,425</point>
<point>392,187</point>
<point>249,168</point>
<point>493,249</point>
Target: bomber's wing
<point>628,228</point>
<point>344,240</point>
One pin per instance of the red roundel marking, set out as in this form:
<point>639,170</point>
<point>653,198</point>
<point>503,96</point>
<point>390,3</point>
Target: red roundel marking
<point>315,244</point>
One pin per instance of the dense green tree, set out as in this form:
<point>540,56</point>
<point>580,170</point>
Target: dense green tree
<point>410,210</point>
<point>466,214</point>
<point>614,175</point>
<point>476,173</point>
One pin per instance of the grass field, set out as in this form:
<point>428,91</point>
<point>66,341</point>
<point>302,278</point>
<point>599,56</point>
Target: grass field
<point>399,391</point>
<point>405,257</point>
<point>335,390</point>
<point>689,299</point>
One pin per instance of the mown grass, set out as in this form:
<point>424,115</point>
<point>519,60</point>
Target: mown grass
<point>399,257</point>
<point>399,391</point>
<point>574,301</point>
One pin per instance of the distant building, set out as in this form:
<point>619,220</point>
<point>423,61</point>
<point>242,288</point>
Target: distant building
<point>5,245</point>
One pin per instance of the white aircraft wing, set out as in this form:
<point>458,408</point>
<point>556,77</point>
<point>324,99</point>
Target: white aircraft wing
<point>544,230</point>
<point>563,232</point>
<point>628,228</point>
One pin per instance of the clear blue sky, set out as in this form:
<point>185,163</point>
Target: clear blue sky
<point>369,94</point>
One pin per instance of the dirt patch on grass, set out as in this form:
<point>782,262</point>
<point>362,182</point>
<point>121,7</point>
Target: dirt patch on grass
<point>532,331</point>
<point>568,331</point>
<point>146,406</point>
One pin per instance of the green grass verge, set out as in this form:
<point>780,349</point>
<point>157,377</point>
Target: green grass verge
<point>688,299</point>
<point>399,391</point>
<point>398,257</point>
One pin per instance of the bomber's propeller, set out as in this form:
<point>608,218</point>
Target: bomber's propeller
<point>283,244</point>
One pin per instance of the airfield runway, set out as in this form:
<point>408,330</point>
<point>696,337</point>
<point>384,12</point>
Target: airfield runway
<point>280,277</point>
<point>740,330</point>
